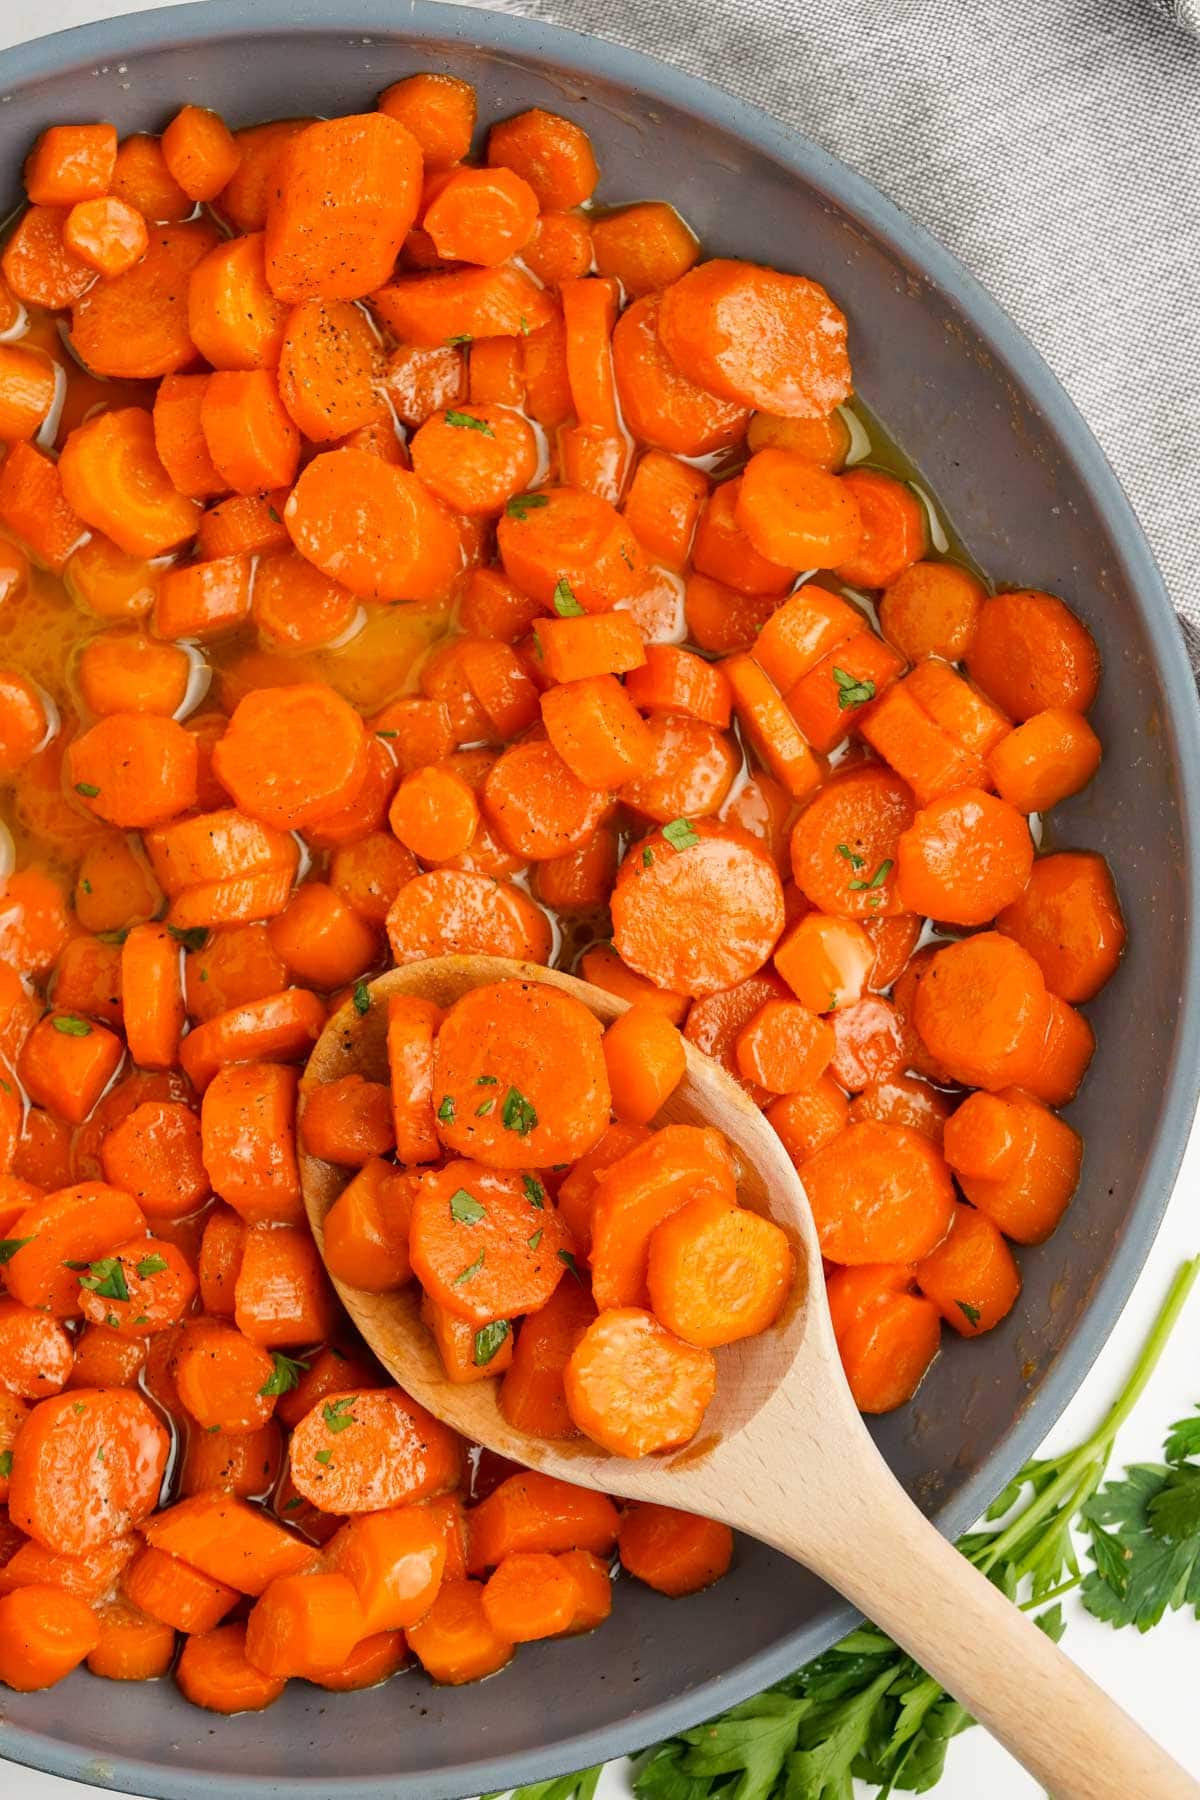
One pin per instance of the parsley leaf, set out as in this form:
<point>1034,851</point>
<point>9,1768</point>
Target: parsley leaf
<point>565,603</point>
<point>521,505</point>
<point>445,1111</point>
<point>1183,1439</point>
<point>337,1414</point>
<point>362,998</point>
<point>535,1193</point>
<point>70,1026</point>
<point>461,337</point>
<point>517,1113</point>
<point>274,516</point>
<point>468,422</point>
<point>294,1504</point>
<point>488,1340</point>
<point>970,1313</point>
<point>88,789</point>
<point>484,1108</point>
<point>485,1081</point>
<point>285,1375</point>
<point>647,857</point>
<point>152,1265</point>
<point>856,862</point>
<point>568,1257</point>
<point>6,1463</point>
<point>471,1269</point>
<point>852,691</point>
<point>877,879</point>
<point>192,937</point>
<point>536,1239</point>
<point>107,1279</point>
<point>325,1457</point>
<point>681,834</point>
<point>10,1246</point>
<point>465,1209</point>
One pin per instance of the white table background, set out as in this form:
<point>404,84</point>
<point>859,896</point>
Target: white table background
<point>1153,1676</point>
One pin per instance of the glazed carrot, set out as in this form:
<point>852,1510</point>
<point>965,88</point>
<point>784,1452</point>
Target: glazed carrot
<point>212,845</point>
<point>66,1064</point>
<point>373,1660</point>
<point>960,709</point>
<point>544,369</point>
<point>931,609</point>
<point>603,968</point>
<point>77,1224</point>
<point>134,769</point>
<point>481,216</point>
<point>366,1229</point>
<point>925,757</point>
<point>761,338</point>
<point>644,1056</point>
<point>214,1672</point>
<point>304,1622</point>
<point>234,320</point>
<point>33,505</point>
<point>369,873</point>
<point>454,1641</point>
<point>24,722</point>
<point>125,671</point>
<point>348,1121</point>
<point>246,1463</point>
<point>34,925</point>
<point>112,478</point>
<point>646,247</point>
<point>1069,920</point>
<point>501,684</point>
<point>346,192</point>
<point>467,1354</point>
<point>560,249</point>
<point>412,1024</point>
<point>784,1047</point>
<point>674,680</point>
<point>230,1541</point>
<point>1050,756</point>
<point>252,440</point>
<point>491,607</point>
<point>27,391</point>
<point>65,1495</point>
<point>1030,653</point>
<point>131,1647</point>
<point>297,607</point>
<point>717,1273</point>
<point>636,1193</point>
<point>807,1121</point>
<point>663,504</point>
<point>580,881</point>
<point>597,731</point>
<point>142,179</point>
<point>522,1035</point>
<point>234,966</point>
<point>321,941</point>
<point>893,529</point>
<point>168,1589</point>
<point>448,911</point>
<point>89,1575</point>
<point>152,995</point>
<point>282,1295</point>
<point>825,961</point>
<point>682,875</point>
<point>13,1414</point>
<point>660,404</point>
<point>243,199</point>
<point>477,458</point>
<point>722,550</point>
<point>485,1243</point>
<point>70,163</point>
<point>904,997</point>
<point>394,1561</point>
<point>39,266</point>
<point>36,1353</point>
<point>1028,1195</point>
<point>532,1512</point>
<point>136,325</point>
<point>971,1276</point>
<point>439,110</point>
<point>108,235</point>
<point>879,1193</point>
<point>900,1099</point>
<point>45,1632</point>
<point>157,1281</point>
<point>434,813</point>
<point>532,1397</point>
<point>964,858</point>
<point>203,599</point>
<point>887,1337</point>
<point>1069,1046</point>
<point>263,759</point>
<point>531,1595</point>
<point>223,1380</point>
<point>568,542</point>
<point>633,1387</point>
<point>449,306</point>
<point>421,380</point>
<point>982,1011</point>
<point>869,1042</point>
<point>383,1450</point>
<point>200,152</point>
<point>327,369</point>
<point>676,1552</point>
<point>552,153</point>
<point>247,1122</point>
<point>844,844</point>
<point>242,526</point>
<point>796,513</point>
<point>829,701</point>
<point>537,805</point>
<point>373,527</point>
<point>824,441</point>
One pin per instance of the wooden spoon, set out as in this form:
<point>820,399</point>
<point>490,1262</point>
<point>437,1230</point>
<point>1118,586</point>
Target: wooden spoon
<point>784,1454</point>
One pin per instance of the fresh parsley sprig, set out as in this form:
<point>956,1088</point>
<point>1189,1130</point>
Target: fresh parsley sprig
<point>865,1709</point>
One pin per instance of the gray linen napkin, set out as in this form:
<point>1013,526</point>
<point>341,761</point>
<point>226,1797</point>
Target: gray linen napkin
<point>1054,145</point>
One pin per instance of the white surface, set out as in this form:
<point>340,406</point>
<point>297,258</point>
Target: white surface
<point>1154,1676</point>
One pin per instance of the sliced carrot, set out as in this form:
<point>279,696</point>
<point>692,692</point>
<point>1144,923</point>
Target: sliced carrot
<point>359,1452</point>
<point>112,478</point>
<point>70,163</point>
<point>373,527</point>
<point>135,326</point>
<point>66,1063</point>
<point>27,389</point>
<point>570,543</point>
<point>661,404</point>
<point>248,1133</point>
<point>395,1561</point>
<point>826,962</point>
<point>759,337</point>
<point>328,364</point>
<point>530,1595</point>
<point>244,198</point>
<point>1030,652</point>
<point>633,1387</point>
<point>450,911</point>
<point>39,266</point>
<point>263,759</point>
<point>1029,1200</point>
<point>982,1011</point>
<point>893,526</point>
<point>663,504</point>
<point>717,1273</point>
<point>807,1121</point>
<point>485,1243</point>
<point>845,842</point>
<point>931,609</point>
<point>200,152</point>
<point>450,306</point>
<point>537,805</point>
<point>45,1632</point>
<point>879,1193</point>
<point>141,178</point>
<point>1051,756</point>
<point>348,1121</point>
<point>168,1589</point>
<point>964,858</point>
<point>957,707</point>
<point>346,192</point>
<point>245,1463</point>
<point>636,1193</point>
<point>244,525</point>
<point>67,1496</point>
<point>439,110</point>
<point>971,1277</point>
<point>214,1672</point>
<point>532,1512</point>
<point>36,1353</point>
<point>560,249</point>
<point>1069,920</point>
<point>454,1641</point>
<point>230,1541</point>
<point>303,1622</point>
<point>481,216</point>
<point>645,1059</point>
<point>887,1337</point>
<point>900,1099</point>
<point>131,1647</point>
<point>676,1552</point>
<point>421,380</point>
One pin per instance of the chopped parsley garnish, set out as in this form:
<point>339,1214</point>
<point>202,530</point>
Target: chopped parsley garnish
<point>970,1313</point>
<point>6,1463</point>
<point>10,1246</point>
<point>471,1269</point>
<point>565,603</point>
<point>484,1108</point>
<point>521,505</point>
<point>488,1340</point>
<point>445,1111</point>
<point>465,1209</point>
<point>485,1081</point>
<point>106,1280</point>
<point>852,691</point>
<point>536,1239</point>
<point>324,1457</point>
<point>461,337</point>
<point>387,734</point>
<point>535,1193</point>
<point>70,1026</point>
<point>88,789</point>
<point>192,937</point>
<point>285,1375</point>
<point>362,998</point>
<point>294,1504</point>
<point>647,857</point>
<point>856,862</point>
<point>274,516</point>
<point>518,1114</point>
<point>152,1265</point>
<point>877,879</point>
<point>681,834</point>
<point>467,422</point>
<point>568,1257</point>
<point>337,1414</point>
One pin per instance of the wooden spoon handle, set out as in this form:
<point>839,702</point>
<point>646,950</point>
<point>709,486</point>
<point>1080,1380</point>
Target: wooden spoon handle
<point>886,1557</point>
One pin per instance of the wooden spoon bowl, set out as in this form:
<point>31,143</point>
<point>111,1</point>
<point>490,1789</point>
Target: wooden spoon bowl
<point>783,1453</point>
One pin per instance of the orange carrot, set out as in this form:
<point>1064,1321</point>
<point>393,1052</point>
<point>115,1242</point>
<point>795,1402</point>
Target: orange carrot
<point>633,1387</point>
<point>454,1641</point>
<point>412,1024</point>
<point>1030,652</point>
<point>879,1193</point>
<point>645,1059</point>
<point>448,911</point>
<point>214,1672</point>
<point>44,1634</point>
<point>70,163</point>
<point>971,1276</point>
<point>887,1337</point>
<point>200,152</point>
<point>717,1273</point>
<point>964,858</point>
<point>660,404</point>
<point>112,478</point>
<point>135,325</point>
<point>366,1228</point>
<point>640,1190</point>
<point>230,1541</point>
<point>62,1492</point>
<point>373,527</point>
<point>807,1121</point>
<point>348,1121</point>
<point>359,1452</point>
<point>1049,757</point>
<point>931,609</point>
<point>676,1552</point>
<point>247,1122</point>
<point>484,1243</point>
<point>346,192</point>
